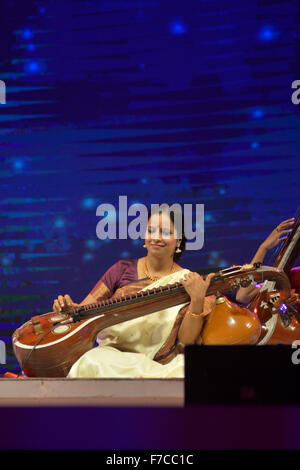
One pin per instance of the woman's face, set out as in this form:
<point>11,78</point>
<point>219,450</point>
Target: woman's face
<point>161,236</point>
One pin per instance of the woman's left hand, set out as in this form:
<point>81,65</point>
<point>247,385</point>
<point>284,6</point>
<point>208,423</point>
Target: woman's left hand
<point>274,237</point>
<point>196,286</point>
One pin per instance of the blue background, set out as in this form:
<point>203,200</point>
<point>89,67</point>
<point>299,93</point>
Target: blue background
<point>162,101</point>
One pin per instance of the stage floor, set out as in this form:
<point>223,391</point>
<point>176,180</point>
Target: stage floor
<point>120,414</point>
<point>91,392</point>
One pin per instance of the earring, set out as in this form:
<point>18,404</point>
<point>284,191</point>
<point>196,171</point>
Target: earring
<point>144,246</point>
<point>178,250</point>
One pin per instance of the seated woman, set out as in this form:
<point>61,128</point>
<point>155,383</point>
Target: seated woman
<point>150,346</point>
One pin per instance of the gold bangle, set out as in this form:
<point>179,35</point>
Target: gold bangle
<point>198,315</point>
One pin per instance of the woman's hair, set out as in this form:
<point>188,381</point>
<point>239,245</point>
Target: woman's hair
<point>177,218</point>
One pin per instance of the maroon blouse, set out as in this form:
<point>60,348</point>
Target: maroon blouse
<point>118,275</point>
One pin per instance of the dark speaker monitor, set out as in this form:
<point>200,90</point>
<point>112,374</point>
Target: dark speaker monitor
<point>242,374</point>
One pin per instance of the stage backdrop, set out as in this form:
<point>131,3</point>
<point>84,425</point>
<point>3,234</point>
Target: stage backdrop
<point>162,101</point>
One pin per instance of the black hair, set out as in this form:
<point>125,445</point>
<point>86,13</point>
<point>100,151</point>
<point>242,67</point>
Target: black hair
<point>170,210</point>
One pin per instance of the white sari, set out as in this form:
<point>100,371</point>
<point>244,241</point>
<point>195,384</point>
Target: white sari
<point>127,349</point>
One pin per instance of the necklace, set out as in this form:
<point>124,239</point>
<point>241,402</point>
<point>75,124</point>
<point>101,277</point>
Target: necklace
<point>155,278</point>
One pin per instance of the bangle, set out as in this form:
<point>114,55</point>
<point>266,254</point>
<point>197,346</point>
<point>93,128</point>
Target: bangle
<point>197,315</point>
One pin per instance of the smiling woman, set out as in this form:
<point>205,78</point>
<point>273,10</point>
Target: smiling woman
<point>151,346</point>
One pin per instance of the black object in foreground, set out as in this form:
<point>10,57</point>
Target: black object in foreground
<point>242,374</point>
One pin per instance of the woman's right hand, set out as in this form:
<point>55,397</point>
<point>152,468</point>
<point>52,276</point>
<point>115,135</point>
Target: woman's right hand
<point>62,303</point>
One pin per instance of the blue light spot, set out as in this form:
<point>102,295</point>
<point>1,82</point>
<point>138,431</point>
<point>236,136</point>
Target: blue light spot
<point>222,191</point>
<point>90,244</point>
<point>88,256</point>
<point>255,145</point>
<point>18,164</point>
<point>267,33</point>
<point>33,67</point>
<point>207,217</point>
<point>257,113</point>
<point>124,254</point>
<point>88,203</point>
<point>30,47</point>
<point>59,223</point>
<point>223,264</point>
<point>6,260</point>
<point>177,28</point>
<point>42,10</point>
<point>27,34</point>
<point>144,180</point>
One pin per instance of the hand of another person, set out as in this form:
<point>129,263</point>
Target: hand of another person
<point>63,303</point>
<point>274,237</point>
<point>246,294</point>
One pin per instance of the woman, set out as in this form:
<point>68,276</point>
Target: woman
<point>148,346</point>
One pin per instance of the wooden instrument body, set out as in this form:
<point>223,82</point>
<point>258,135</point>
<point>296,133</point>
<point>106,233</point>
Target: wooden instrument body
<point>274,330</point>
<point>55,356</point>
<point>283,334</point>
<point>231,324</point>
<point>48,346</point>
